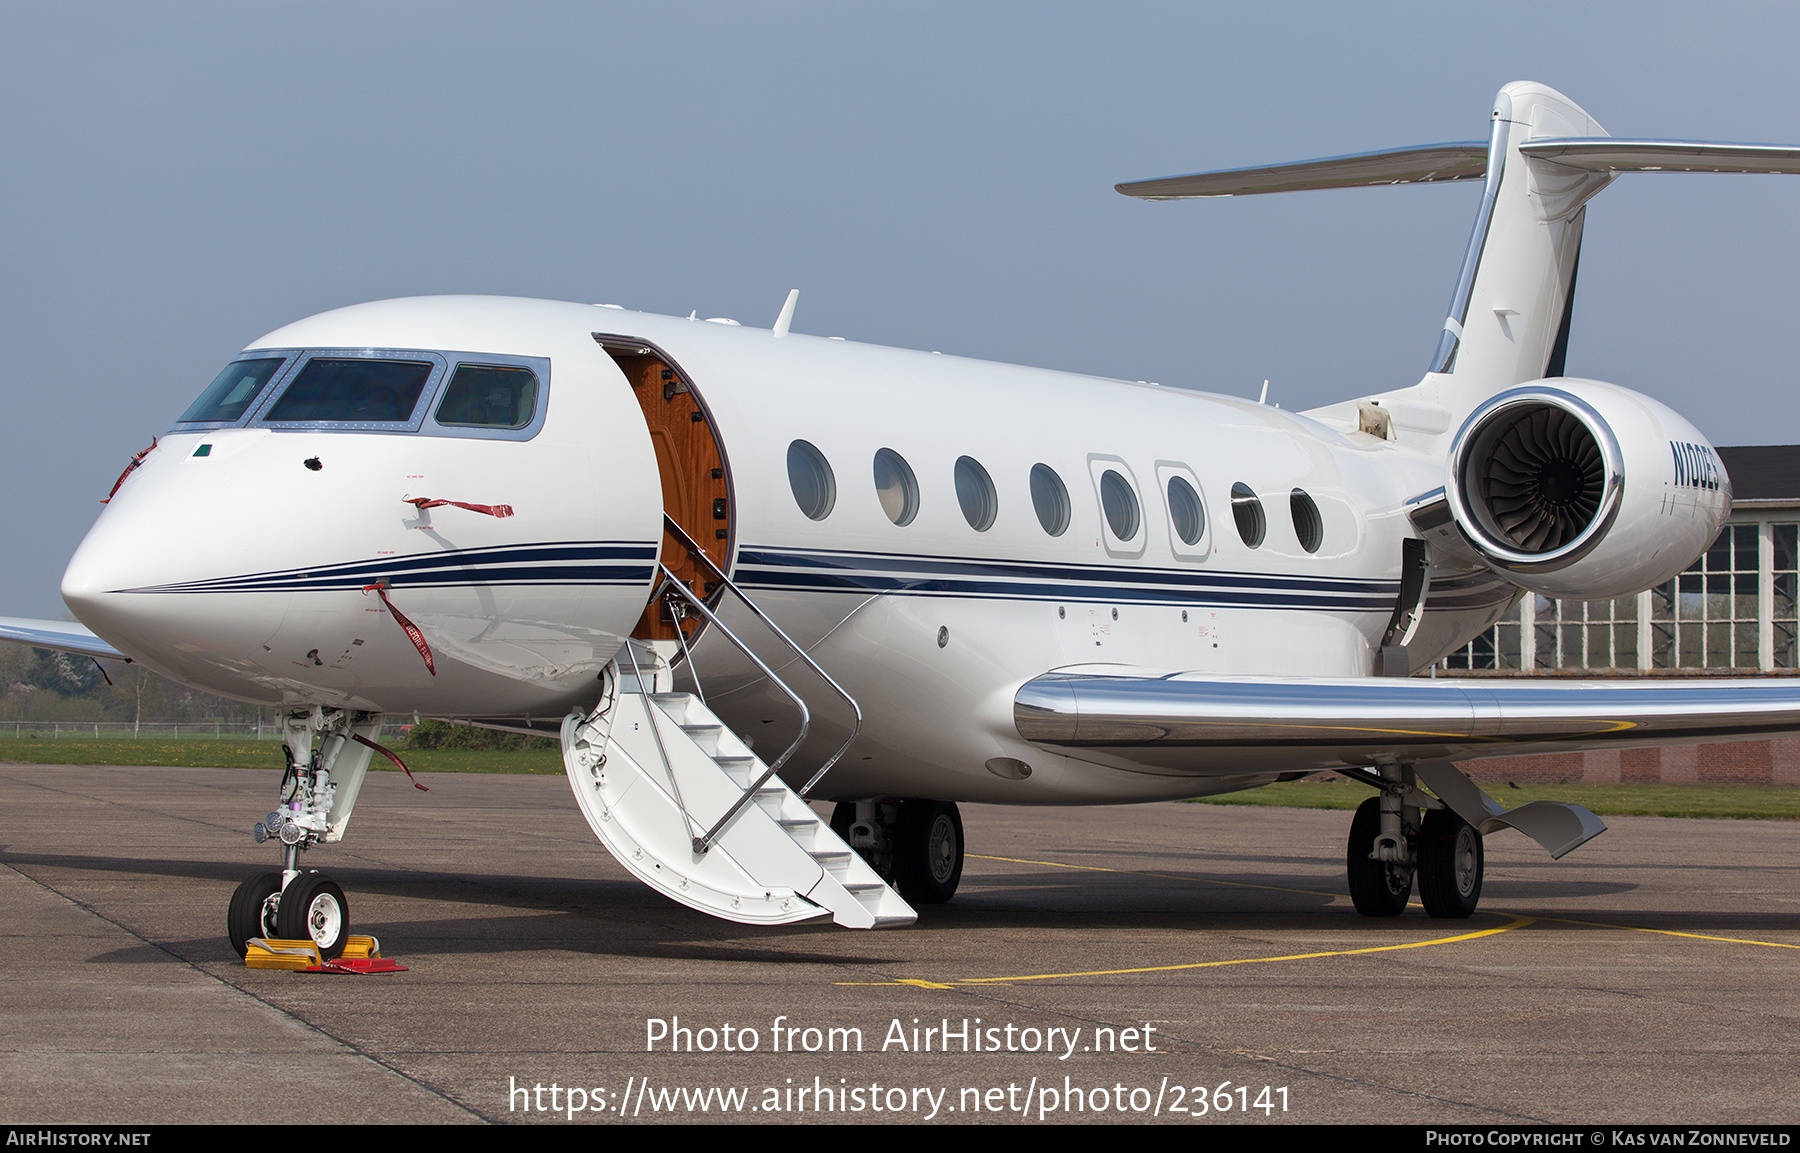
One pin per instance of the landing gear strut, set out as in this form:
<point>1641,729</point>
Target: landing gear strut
<point>916,846</point>
<point>1379,888</point>
<point>325,769</point>
<point>1404,832</point>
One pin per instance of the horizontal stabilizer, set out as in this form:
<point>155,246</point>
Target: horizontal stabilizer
<point>1468,160</point>
<point>1421,164</point>
<point>62,636</point>
<point>1610,154</point>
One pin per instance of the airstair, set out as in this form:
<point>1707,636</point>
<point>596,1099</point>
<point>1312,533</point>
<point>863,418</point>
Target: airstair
<point>691,811</point>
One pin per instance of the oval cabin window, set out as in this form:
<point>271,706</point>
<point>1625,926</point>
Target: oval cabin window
<point>1309,526</point>
<point>1050,499</point>
<point>815,490</point>
<point>975,492</point>
<point>1119,504</point>
<point>1247,510</point>
<point>1185,510</point>
<point>896,487</point>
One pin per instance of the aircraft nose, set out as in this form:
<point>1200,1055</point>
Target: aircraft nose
<point>134,577</point>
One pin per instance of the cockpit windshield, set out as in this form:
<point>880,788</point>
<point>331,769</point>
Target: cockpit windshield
<point>421,392</point>
<point>341,389</point>
<point>226,398</point>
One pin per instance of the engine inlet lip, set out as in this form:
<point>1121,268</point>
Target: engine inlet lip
<point>1458,487</point>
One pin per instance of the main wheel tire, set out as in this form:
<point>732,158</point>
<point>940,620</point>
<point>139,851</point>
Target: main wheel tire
<point>313,908</point>
<point>928,854</point>
<point>1451,864</point>
<point>1378,888</point>
<point>252,913</point>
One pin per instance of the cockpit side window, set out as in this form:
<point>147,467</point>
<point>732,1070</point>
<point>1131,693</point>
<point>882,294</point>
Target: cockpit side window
<point>359,391</point>
<point>232,391</point>
<point>489,396</point>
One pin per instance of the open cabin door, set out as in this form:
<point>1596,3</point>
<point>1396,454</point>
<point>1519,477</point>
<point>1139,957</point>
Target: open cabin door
<point>696,478</point>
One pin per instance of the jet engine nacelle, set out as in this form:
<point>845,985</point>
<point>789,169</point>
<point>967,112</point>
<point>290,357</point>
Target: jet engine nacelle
<point>1584,490</point>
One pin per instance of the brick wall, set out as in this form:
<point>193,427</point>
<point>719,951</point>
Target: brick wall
<point>1763,762</point>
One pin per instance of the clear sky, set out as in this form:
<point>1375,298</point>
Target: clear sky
<point>178,179</point>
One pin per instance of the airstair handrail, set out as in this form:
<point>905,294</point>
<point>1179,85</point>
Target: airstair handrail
<point>673,583</point>
<point>699,554</point>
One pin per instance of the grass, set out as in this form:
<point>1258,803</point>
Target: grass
<point>230,754</point>
<point>1750,802</point>
<point>1742,801</point>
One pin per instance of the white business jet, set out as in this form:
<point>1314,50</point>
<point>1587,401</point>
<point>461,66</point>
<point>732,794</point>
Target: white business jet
<point>736,569</point>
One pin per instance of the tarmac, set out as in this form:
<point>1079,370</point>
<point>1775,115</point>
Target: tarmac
<point>1179,963</point>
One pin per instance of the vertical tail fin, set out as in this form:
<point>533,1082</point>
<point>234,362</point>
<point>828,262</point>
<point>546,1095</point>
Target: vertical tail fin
<point>1508,320</point>
<point>1508,317</point>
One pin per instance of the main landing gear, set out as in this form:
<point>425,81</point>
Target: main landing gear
<point>326,764</point>
<point>1405,833</point>
<point>916,846</point>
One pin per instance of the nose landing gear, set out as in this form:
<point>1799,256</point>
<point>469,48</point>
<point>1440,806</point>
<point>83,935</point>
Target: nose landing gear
<point>325,770</point>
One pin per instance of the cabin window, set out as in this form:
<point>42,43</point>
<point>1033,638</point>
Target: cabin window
<point>333,389</point>
<point>896,486</point>
<point>815,489</point>
<point>1309,526</point>
<point>489,396</point>
<point>1119,504</point>
<point>1247,510</point>
<point>1185,511</point>
<point>975,493</point>
<point>1050,499</point>
<point>230,394</point>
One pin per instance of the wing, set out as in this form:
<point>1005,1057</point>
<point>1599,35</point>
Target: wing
<point>63,636</point>
<point>1191,722</point>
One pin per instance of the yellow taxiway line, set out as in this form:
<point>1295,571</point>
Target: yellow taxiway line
<point>1516,921</point>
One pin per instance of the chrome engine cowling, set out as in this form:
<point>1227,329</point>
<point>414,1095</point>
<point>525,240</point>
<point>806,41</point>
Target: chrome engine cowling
<point>1584,490</point>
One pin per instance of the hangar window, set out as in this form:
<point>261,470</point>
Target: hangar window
<point>230,394</point>
<point>896,486</point>
<point>1050,499</point>
<point>815,489</point>
<point>489,396</point>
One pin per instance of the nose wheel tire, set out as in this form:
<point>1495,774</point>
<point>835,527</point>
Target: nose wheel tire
<point>1451,865</point>
<point>313,908</point>
<point>928,851</point>
<point>1379,888</point>
<point>252,911</point>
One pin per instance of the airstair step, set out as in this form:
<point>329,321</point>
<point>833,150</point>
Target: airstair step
<point>672,769</point>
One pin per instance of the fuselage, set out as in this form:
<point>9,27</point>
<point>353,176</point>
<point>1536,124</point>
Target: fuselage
<point>272,560</point>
